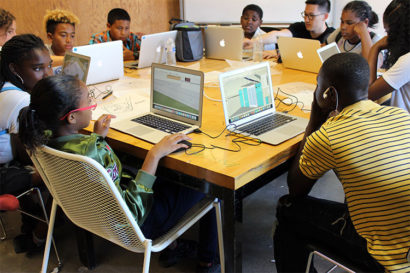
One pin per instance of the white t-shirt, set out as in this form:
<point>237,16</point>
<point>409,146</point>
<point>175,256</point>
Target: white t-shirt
<point>398,77</point>
<point>259,31</point>
<point>345,46</point>
<point>11,102</point>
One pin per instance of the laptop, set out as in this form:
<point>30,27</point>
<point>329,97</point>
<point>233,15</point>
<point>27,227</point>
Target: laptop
<point>249,106</point>
<point>327,51</point>
<point>301,54</point>
<point>76,65</point>
<point>106,61</point>
<point>152,49</point>
<point>175,104</point>
<point>223,43</point>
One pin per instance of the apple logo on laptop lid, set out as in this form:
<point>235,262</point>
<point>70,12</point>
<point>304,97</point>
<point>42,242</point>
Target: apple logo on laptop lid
<point>222,43</point>
<point>300,55</point>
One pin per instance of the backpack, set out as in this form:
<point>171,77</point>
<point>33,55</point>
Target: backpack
<point>189,43</point>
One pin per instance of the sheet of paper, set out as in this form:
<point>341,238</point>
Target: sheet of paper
<point>301,90</point>
<point>124,84</point>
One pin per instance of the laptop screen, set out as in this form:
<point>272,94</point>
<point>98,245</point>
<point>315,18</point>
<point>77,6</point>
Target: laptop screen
<point>177,93</point>
<point>247,93</point>
<point>76,65</point>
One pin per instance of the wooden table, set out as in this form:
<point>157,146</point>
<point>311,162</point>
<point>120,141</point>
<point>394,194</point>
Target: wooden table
<point>230,176</point>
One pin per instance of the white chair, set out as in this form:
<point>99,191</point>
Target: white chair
<point>330,260</point>
<point>89,198</point>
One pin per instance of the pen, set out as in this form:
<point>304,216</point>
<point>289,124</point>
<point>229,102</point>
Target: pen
<point>107,95</point>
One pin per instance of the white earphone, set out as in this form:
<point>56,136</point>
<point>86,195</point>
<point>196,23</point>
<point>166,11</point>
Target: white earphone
<point>325,93</point>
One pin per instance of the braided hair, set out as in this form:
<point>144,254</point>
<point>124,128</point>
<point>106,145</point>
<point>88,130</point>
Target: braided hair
<point>51,98</point>
<point>363,11</point>
<point>16,50</point>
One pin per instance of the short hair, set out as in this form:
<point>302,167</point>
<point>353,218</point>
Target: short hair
<point>347,72</point>
<point>6,18</point>
<point>254,8</point>
<point>363,11</point>
<point>59,16</point>
<point>117,14</point>
<point>323,4</point>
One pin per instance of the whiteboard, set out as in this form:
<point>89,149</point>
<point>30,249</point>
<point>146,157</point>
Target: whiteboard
<point>230,11</point>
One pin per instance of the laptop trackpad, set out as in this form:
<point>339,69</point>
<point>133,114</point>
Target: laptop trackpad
<point>140,130</point>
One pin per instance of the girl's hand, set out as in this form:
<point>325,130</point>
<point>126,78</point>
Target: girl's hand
<point>361,29</point>
<point>168,144</point>
<point>102,124</point>
<point>381,44</point>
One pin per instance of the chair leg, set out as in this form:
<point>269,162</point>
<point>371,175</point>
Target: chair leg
<point>309,261</point>
<point>3,235</point>
<point>147,256</point>
<point>217,207</point>
<point>49,237</point>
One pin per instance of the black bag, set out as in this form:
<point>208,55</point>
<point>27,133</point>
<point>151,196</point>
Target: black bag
<point>189,44</point>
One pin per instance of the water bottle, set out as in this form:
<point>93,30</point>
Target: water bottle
<point>258,49</point>
<point>170,50</point>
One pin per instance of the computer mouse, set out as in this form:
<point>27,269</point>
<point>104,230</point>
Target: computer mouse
<point>186,142</point>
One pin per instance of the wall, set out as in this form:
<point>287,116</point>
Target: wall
<point>146,16</point>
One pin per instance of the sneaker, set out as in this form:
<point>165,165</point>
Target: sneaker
<point>184,249</point>
<point>214,268</point>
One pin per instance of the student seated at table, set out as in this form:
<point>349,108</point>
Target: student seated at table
<point>118,24</point>
<point>251,20</point>
<point>314,27</point>
<point>24,60</point>
<point>368,147</point>
<point>396,80</point>
<point>7,26</point>
<point>60,28</point>
<point>354,34</point>
<point>60,107</point>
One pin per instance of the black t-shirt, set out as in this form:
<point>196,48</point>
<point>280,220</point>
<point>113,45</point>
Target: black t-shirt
<point>299,31</point>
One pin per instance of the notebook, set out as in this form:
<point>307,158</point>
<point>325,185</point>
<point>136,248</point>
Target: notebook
<point>175,104</point>
<point>106,61</point>
<point>301,54</point>
<point>223,43</point>
<point>328,51</point>
<point>76,65</point>
<point>249,106</point>
<point>152,49</point>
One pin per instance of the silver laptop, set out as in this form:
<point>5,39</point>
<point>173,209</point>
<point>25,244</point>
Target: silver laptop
<point>327,51</point>
<point>106,61</point>
<point>152,49</point>
<point>301,54</point>
<point>223,43</point>
<point>175,104</point>
<point>249,106</point>
<point>76,65</point>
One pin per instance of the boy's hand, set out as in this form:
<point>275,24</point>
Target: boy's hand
<point>102,124</point>
<point>268,54</point>
<point>247,43</point>
<point>169,144</point>
<point>128,54</point>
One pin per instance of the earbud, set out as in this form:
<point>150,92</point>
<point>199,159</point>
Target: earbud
<point>325,93</point>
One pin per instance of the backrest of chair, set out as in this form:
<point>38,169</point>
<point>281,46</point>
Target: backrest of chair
<point>88,196</point>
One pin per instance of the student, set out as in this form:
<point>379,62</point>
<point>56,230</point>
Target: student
<point>396,80</point>
<point>368,146</point>
<point>7,26</point>
<point>251,20</point>
<point>24,61</point>
<point>354,35</point>
<point>60,28</point>
<point>60,107</point>
<point>118,24</point>
<point>314,27</point>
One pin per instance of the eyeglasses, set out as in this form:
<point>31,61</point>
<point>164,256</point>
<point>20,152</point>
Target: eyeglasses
<point>91,107</point>
<point>309,16</point>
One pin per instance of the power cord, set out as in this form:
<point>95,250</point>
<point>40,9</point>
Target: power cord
<point>293,101</point>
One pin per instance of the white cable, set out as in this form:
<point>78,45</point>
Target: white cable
<point>209,98</point>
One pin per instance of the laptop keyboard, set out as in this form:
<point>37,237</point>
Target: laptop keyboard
<point>266,124</point>
<point>161,124</point>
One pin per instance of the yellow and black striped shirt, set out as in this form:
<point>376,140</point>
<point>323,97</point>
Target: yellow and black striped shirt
<point>368,146</point>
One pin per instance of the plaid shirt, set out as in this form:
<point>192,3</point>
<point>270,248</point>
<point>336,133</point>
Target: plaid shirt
<point>132,43</point>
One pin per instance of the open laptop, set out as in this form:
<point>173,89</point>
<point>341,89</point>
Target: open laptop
<point>175,104</point>
<point>152,49</point>
<point>106,61</point>
<point>301,54</point>
<point>76,65</point>
<point>327,51</point>
<point>223,43</point>
<point>249,106</point>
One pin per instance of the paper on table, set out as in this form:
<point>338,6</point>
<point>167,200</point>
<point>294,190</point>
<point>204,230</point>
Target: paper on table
<point>125,84</point>
<point>212,77</point>
<point>302,90</point>
<point>240,64</point>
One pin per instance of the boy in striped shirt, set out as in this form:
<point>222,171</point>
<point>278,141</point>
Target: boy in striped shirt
<point>118,24</point>
<point>368,147</point>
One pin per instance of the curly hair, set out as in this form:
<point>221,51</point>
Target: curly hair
<point>59,16</point>
<point>6,18</point>
<point>397,19</point>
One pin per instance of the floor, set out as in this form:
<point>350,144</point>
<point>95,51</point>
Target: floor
<point>259,215</point>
